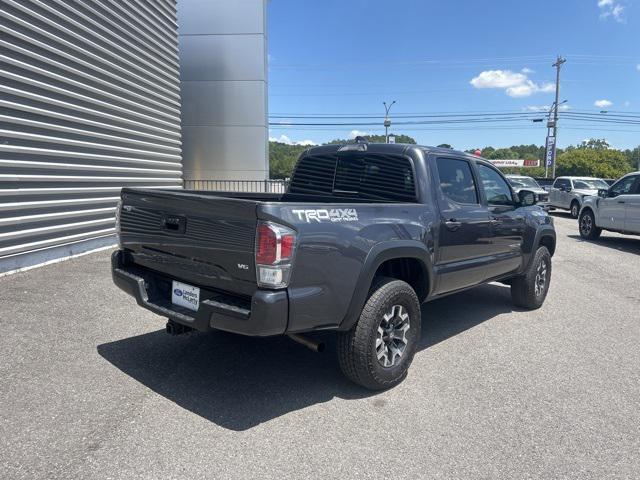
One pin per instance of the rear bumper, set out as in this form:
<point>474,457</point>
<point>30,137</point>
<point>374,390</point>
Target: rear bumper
<point>266,313</point>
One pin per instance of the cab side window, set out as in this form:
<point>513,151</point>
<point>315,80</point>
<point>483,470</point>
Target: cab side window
<point>624,186</point>
<point>562,183</point>
<point>456,180</point>
<point>496,189</point>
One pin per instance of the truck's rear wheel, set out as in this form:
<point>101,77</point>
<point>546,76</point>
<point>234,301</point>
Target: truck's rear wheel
<point>377,351</point>
<point>530,289</point>
<point>575,209</point>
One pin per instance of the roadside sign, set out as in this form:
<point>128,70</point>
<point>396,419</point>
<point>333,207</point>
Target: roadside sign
<point>392,139</point>
<point>515,162</point>
<point>551,147</point>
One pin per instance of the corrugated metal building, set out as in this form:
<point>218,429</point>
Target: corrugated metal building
<point>89,102</point>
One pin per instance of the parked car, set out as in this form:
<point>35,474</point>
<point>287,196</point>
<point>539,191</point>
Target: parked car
<point>364,234</point>
<point>522,182</point>
<point>616,209</point>
<point>568,193</point>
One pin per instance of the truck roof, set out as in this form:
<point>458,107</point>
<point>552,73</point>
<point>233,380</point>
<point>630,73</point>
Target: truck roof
<point>390,148</point>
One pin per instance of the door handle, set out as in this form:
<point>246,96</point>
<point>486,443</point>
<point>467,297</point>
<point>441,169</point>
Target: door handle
<point>452,224</point>
<point>496,221</point>
<point>620,201</point>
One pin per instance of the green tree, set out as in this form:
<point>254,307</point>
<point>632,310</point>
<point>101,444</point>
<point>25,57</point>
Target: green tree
<point>594,162</point>
<point>595,144</point>
<point>377,139</point>
<point>282,158</point>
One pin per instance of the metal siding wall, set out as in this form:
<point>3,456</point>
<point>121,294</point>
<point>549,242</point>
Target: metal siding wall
<point>89,103</point>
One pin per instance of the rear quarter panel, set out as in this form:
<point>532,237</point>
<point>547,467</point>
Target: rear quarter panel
<point>334,242</point>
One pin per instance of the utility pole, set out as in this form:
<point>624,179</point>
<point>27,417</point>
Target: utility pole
<point>387,122</point>
<point>558,65</point>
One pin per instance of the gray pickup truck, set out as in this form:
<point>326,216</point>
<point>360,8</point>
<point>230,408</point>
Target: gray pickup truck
<point>568,193</point>
<point>363,236</point>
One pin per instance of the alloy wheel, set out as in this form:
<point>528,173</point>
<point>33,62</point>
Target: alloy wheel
<point>586,224</point>
<point>541,278</point>
<point>391,340</point>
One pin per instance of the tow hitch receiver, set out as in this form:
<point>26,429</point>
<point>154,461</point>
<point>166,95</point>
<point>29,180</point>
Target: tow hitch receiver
<point>174,328</point>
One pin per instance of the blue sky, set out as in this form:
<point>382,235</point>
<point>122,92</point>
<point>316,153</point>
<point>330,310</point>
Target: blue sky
<point>348,56</point>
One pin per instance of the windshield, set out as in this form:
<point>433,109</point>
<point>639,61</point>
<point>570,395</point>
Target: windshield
<point>523,182</point>
<point>590,184</point>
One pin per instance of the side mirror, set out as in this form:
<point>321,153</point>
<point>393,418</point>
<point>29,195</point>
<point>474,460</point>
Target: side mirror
<point>603,192</point>
<point>527,198</point>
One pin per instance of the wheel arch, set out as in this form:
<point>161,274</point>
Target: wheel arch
<point>409,261</point>
<point>548,241</point>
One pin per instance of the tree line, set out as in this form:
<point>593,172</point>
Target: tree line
<point>594,157</point>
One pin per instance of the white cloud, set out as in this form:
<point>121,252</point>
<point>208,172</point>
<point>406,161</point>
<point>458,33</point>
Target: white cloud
<point>603,103</point>
<point>527,70</point>
<point>284,139</point>
<point>498,79</point>
<point>638,67</point>
<point>514,84</point>
<point>613,9</point>
<point>617,13</point>
<point>358,133</point>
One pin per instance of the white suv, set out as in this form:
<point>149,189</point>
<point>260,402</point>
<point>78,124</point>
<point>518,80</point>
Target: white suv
<point>616,209</point>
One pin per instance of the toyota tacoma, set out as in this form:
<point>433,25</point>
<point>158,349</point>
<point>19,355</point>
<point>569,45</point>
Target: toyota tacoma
<point>363,236</point>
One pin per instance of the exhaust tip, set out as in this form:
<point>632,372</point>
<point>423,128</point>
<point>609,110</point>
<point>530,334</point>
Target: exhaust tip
<point>307,342</point>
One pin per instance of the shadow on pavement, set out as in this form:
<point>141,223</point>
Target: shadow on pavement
<point>239,382</point>
<point>630,244</point>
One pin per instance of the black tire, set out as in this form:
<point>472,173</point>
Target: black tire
<point>523,288</point>
<point>574,210</point>
<point>587,225</point>
<point>357,350</point>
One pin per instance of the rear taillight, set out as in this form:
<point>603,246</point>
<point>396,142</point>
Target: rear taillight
<point>275,247</point>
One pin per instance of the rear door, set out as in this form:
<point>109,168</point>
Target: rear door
<point>632,211</point>
<point>464,240</point>
<point>507,222</point>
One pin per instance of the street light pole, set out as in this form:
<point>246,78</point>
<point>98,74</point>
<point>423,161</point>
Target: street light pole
<point>387,122</point>
<point>558,64</point>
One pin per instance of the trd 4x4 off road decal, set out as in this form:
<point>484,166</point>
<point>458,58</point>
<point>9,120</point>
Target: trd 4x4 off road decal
<point>332,215</point>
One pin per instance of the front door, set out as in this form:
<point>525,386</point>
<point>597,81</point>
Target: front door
<point>507,223</point>
<point>464,240</point>
<point>558,195</point>
<point>612,210</point>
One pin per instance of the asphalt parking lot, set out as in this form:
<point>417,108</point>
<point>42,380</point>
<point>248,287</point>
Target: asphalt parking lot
<point>92,387</point>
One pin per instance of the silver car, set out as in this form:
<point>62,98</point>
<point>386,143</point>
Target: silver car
<point>616,208</point>
<point>568,193</point>
<point>522,182</point>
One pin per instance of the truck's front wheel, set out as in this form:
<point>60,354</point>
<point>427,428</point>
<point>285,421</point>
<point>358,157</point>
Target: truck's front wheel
<point>377,351</point>
<point>530,289</point>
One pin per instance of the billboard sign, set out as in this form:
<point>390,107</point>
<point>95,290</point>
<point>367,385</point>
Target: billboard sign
<point>515,162</point>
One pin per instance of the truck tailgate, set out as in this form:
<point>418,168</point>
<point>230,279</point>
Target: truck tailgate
<point>204,238</point>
